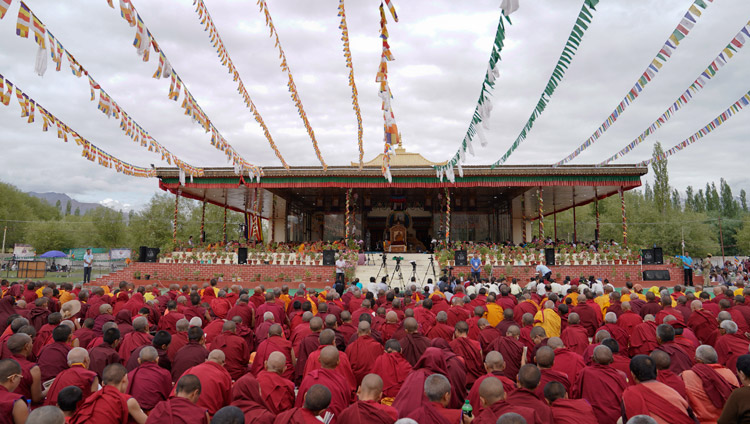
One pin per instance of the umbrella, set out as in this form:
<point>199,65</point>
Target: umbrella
<point>53,254</point>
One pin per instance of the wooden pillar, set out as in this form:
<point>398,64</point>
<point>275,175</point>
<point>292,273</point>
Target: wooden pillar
<point>540,200</point>
<point>203,221</point>
<point>224,228</point>
<point>596,210</point>
<point>624,218</point>
<point>575,234</point>
<point>447,215</point>
<point>523,217</point>
<point>554,215</point>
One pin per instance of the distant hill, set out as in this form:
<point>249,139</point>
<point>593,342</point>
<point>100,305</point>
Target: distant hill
<point>52,199</point>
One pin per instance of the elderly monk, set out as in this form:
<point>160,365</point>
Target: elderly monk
<point>411,394</point>
<point>275,342</point>
<point>665,375</point>
<point>261,332</point>
<point>708,384</point>
<point>328,338</point>
<point>190,355</point>
<point>565,410</point>
<point>487,335</point>
<point>85,334</point>
<point>149,383</point>
<point>277,391</point>
<point>77,375</point>
<point>54,357</point>
<point>135,339</point>
<point>601,385</point>
<point>435,401</point>
<point>512,350</point>
<point>628,319</point>
<point>316,401</point>
<point>161,341</point>
<point>643,340</point>
<point>215,382</point>
<point>105,353</point>
<point>392,369</point>
<point>391,325</point>
<point>12,405</point>
<point>246,396</point>
<point>179,338</point>
<point>413,344</point>
<point>469,350</point>
<point>169,321</point>
<point>575,336</point>
<point>549,319</point>
<point>566,361</point>
<point>341,393</point>
<point>441,329</point>
<point>528,380</point>
<point>730,344</point>
<point>508,320</point>
<point>30,383</point>
<point>235,348</point>
<point>653,398</point>
<point>308,345</point>
<point>545,358</point>
<point>589,313</point>
<point>363,351</point>
<point>110,404</point>
<point>368,408</point>
<point>680,360</point>
<point>703,323</point>
<point>615,331</point>
<point>181,408</point>
<point>494,365</point>
<point>492,398</point>
<point>243,309</point>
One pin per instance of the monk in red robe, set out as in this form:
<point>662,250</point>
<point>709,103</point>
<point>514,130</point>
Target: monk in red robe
<point>327,338</point>
<point>615,331</point>
<point>192,354</point>
<point>149,384</point>
<point>316,403</point>
<point>308,345</point>
<point>590,315</point>
<point>105,353</point>
<point>85,334</point>
<point>494,403</point>
<point>575,336</point>
<point>235,348</point>
<point>545,358</point>
<point>512,351</point>
<point>413,344</point>
<point>709,385</point>
<point>680,360</point>
<point>494,365</point>
<point>244,310</point>
<point>434,407</point>
<point>643,340</point>
<point>53,358</point>
<point>110,405</point>
<point>215,382</point>
<point>730,345</point>
<point>274,343</point>
<point>77,375</point>
<point>601,385</point>
<point>456,372</point>
<point>665,375</point>
<point>566,361</point>
<point>703,323</point>
<point>30,383</point>
<point>363,351</point>
<point>169,321</point>
<point>526,306</point>
<point>565,410</point>
<point>12,405</point>
<point>441,329</point>
<point>341,394</point>
<point>277,391</point>
<point>181,407</point>
<point>411,394</point>
<point>651,397</point>
<point>487,335</point>
<point>628,319</point>
<point>137,338</point>
<point>392,368</point>
<point>469,350</point>
<point>179,338</point>
<point>368,408</point>
<point>246,396</point>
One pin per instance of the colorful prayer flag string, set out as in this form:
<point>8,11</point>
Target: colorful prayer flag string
<point>4,5</point>
<point>687,22</point>
<point>391,134</point>
<point>226,60</point>
<point>447,215</point>
<point>539,196</point>
<point>107,105</point>
<point>716,122</point>
<point>290,83</point>
<point>90,151</point>
<point>566,57</point>
<point>348,214</point>
<point>737,42</point>
<point>352,84</point>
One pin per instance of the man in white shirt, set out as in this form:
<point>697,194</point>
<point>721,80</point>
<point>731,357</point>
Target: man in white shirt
<point>543,271</point>
<point>88,261</point>
<point>340,265</point>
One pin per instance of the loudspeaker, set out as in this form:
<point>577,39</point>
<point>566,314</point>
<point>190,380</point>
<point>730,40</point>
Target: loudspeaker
<point>549,256</point>
<point>656,275</point>
<point>658,256</point>
<point>148,254</point>
<point>242,255</point>
<point>461,258</point>
<point>647,256</point>
<point>329,257</point>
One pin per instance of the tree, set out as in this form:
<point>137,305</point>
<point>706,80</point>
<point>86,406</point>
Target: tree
<point>743,238</point>
<point>49,235</point>
<point>67,208</point>
<point>109,227</point>
<point>743,200</point>
<point>77,212</point>
<point>676,202</point>
<point>58,205</point>
<point>729,207</point>
<point>700,201</point>
<point>713,204</point>
<point>648,194</point>
<point>661,180</point>
<point>689,199</point>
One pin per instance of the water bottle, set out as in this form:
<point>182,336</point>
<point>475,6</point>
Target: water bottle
<point>466,409</point>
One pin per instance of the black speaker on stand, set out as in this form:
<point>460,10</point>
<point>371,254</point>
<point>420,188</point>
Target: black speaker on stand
<point>142,251</point>
<point>461,258</point>
<point>148,254</point>
<point>656,275</point>
<point>658,256</point>
<point>647,256</point>
<point>549,256</point>
<point>242,255</point>
<point>329,257</point>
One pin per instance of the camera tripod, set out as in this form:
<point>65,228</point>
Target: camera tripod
<point>400,276</point>
<point>431,266</point>
<point>383,266</point>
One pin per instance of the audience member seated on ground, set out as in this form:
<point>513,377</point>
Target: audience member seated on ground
<point>181,407</point>
<point>737,407</point>
<point>110,404</point>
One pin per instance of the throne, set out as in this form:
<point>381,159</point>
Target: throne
<point>398,239</point>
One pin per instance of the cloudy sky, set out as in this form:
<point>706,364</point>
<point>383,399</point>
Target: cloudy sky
<point>441,50</point>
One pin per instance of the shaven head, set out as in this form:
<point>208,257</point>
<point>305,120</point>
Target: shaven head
<point>217,356</point>
<point>436,387</point>
<point>229,415</point>
<point>555,343</point>
<point>602,355</point>
<point>276,362</point>
<point>371,388</point>
<point>661,359</point>
<point>553,391</point>
<point>113,374</point>
<point>363,328</point>
<point>8,367</point>
<point>275,330</point>
<point>513,331</point>
<point>327,337</point>
<point>511,418</point>
<point>148,354</point>
<point>68,398</point>
<point>188,384</point>
<point>46,415</point>
<point>411,325</point>
<point>182,325</point>
<point>17,342</point>
<point>491,390</point>
<point>494,361</point>
<point>574,318</point>
<point>706,354</point>
<point>329,357</point>
<point>545,357</point>
<point>529,376</point>
<point>317,398</point>
<point>77,355</point>
<point>229,326</point>
<point>392,345</point>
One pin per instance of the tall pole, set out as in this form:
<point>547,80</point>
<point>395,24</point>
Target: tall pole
<point>523,218</point>
<point>203,222</point>
<point>554,215</point>
<point>596,210</point>
<point>721,238</point>
<point>539,195</point>
<point>174,227</point>
<point>5,231</point>
<point>624,218</point>
<point>575,233</point>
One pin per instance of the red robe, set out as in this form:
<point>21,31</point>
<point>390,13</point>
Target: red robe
<point>524,307</point>
<point>277,391</point>
<point>641,400</point>
<point>101,356</point>
<point>368,412</point>
<point>169,322</point>
<point>133,340</point>
<point>344,367</point>
<point>266,348</point>
<point>602,386</point>
<point>220,306</point>
<point>435,413</point>
<point>512,351</point>
<point>643,341</point>
<point>471,352</point>
<point>704,325</point>
<point>413,346</point>
<point>576,338</point>
<point>389,329</point>
<point>628,320</point>
<point>618,333</point>
<point>442,331</point>
<point>568,362</point>
<point>672,380</point>
<point>178,341</point>
<point>486,337</point>
<point>53,360</point>
<point>411,395</point>
<point>572,411</point>
<point>729,347</point>
<point>680,359</point>
<point>308,345</point>
<point>526,398</point>
<point>341,394</point>
<point>215,382</point>
<point>490,414</point>
<point>456,314</point>
<point>246,396</point>
<point>7,403</point>
<point>77,376</point>
<point>177,410</point>
<point>244,311</point>
<point>296,416</point>
<point>149,384</point>
<point>106,406</point>
<point>24,388</point>
<point>508,385</point>
<point>590,316</point>
<point>84,336</point>
<point>549,375</point>
<point>42,339</point>
<point>393,369</point>
<point>236,351</point>
<point>362,353</point>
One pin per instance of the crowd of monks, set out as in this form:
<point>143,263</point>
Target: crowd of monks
<point>478,354</point>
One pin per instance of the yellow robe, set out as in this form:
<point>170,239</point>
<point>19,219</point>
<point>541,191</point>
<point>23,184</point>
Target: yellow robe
<point>549,320</point>
<point>494,313</point>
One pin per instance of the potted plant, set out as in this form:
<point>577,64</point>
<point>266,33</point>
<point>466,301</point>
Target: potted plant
<point>307,275</point>
<point>488,270</point>
<point>137,275</point>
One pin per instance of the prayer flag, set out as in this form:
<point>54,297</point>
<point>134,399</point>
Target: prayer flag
<point>24,20</point>
<point>4,5</point>
<point>40,32</point>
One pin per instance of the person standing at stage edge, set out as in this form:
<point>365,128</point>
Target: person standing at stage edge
<point>88,260</point>
<point>687,268</point>
<point>340,265</point>
<point>476,267</point>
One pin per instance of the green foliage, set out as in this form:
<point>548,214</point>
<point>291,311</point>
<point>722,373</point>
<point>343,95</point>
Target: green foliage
<point>742,237</point>
<point>661,181</point>
<point>67,208</point>
<point>49,235</point>
<point>17,209</point>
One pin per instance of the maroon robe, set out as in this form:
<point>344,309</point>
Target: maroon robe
<point>486,336</point>
<point>643,341</point>
<point>169,322</point>
<point>413,346</point>
<point>149,384</point>
<point>53,360</point>
<point>527,398</point>
<point>590,317</point>
<point>568,362</point>
<point>729,347</point>
<point>77,376</point>
<point>504,325</point>
<point>215,382</point>
<point>575,337</point>
<point>192,354</point>
<point>525,307</point>
<point>618,333</point>
<point>456,373</point>
<point>393,369</point>
<point>84,336</point>
<point>344,367</point>
<point>24,388</point>
<point>133,340</point>
<point>7,403</point>
<point>124,321</point>
<point>308,345</point>
<point>296,416</point>
<point>426,319</point>
<point>572,411</point>
<point>266,348</point>
<point>277,391</point>
<point>341,394</point>
<point>244,311</point>
<point>602,386</point>
<point>212,329</point>
<point>236,351</point>
<point>246,396</point>
<point>368,412</point>
<point>105,406</point>
<point>651,307</point>
<point>508,385</point>
<point>411,395</point>
<point>490,414</point>
<point>471,352</point>
<point>627,321</point>
<point>261,333</point>
<point>177,410</point>
<point>641,400</point>
<point>442,331</point>
<point>43,336</point>
<point>672,380</point>
<point>680,359</point>
<point>549,375</point>
<point>512,351</point>
<point>362,353</point>
<point>435,413</point>
<point>704,325</point>
<point>179,339</point>
<point>101,356</point>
